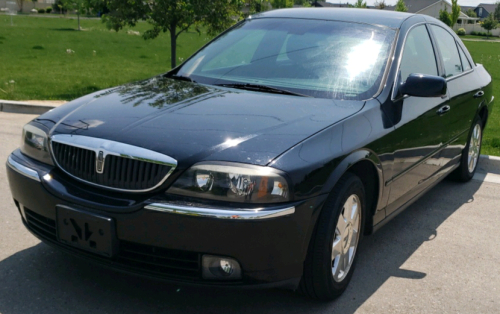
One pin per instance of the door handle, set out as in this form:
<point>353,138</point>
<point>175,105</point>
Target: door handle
<point>479,94</point>
<point>443,109</point>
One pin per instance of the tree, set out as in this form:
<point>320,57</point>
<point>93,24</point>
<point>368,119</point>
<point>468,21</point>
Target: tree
<point>34,3</point>
<point>77,5</point>
<point>304,3</point>
<point>255,6</point>
<point>489,23</point>
<point>401,6</point>
<point>277,4</point>
<point>455,12</point>
<point>496,14</point>
<point>360,4</point>
<point>380,4</point>
<point>20,4</point>
<point>445,17</point>
<point>471,13</point>
<point>96,7</point>
<point>172,16</point>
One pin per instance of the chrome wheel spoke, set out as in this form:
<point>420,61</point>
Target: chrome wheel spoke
<point>471,163</point>
<point>341,225</point>
<point>354,239</point>
<point>355,223</point>
<point>347,261</point>
<point>337,270</point>
<point>336,248</point>
<point>346,238</point>
<point>347,212</point>
<point>354,212</point>
<point>474,147</point>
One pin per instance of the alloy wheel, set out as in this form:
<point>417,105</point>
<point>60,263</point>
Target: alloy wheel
<point>474,148</point>
<point>346,238</point>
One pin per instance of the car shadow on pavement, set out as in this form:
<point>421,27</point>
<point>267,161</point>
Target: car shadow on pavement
<point>43,280</point>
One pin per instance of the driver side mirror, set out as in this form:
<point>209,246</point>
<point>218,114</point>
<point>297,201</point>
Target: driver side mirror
<point>422,85</point>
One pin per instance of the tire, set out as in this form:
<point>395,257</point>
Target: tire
<point>471,153</point>
<point>323,278</point>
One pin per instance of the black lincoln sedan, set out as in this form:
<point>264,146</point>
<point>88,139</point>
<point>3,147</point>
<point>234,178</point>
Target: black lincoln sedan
<point>263,159</point>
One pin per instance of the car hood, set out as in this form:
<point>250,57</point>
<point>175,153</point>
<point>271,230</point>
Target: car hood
<point>192,122</point>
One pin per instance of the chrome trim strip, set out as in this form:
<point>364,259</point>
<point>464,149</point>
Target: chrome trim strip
<point>25,171</point>
<point>451,78</point>
<point>108,147</point>
<point>238,214</point>
<point>400,57</point>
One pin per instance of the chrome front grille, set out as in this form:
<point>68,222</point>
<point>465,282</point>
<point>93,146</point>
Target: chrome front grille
<point>111,164</point>
<point>77,161</point>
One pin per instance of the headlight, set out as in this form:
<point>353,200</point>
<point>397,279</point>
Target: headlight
<point>35,144</point>
<point>232,182</point>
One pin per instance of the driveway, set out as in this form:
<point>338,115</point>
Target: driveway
<point>441,255</point>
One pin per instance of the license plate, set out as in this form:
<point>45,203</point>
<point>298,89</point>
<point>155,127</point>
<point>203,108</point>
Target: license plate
<point>86,231</point>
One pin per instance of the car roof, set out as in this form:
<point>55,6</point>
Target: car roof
<point>390,19</point>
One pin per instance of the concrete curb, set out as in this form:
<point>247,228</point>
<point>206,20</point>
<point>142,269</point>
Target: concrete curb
<point>489,164</point>
<point>22,107</point>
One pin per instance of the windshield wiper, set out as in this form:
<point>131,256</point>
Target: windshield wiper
<point>181,78</point>
<point>262,88</point>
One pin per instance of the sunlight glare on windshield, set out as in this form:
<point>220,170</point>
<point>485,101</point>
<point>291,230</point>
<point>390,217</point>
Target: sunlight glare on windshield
<point>362,57</point>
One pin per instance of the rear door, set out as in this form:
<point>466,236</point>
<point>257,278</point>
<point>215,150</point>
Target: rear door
<point>464,91</point>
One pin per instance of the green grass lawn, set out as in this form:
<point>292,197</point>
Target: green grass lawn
<point>488,54</point>
<point>33,55</point>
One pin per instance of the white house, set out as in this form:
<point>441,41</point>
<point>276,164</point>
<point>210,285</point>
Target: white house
<point>28,5</point>
<point>432,8</point>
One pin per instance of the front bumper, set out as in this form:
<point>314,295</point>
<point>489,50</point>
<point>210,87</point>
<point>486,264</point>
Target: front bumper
<point>270,248</point>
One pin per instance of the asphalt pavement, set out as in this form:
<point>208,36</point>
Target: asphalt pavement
<point>441,255</point>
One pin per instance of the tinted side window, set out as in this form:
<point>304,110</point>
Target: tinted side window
<point>449,52</point>
<point>465,62</point>
<point>418,54</point>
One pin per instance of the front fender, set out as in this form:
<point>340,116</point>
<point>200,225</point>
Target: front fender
<point>348,162</point>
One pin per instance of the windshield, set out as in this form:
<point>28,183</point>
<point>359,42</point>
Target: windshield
<point>324,59</point>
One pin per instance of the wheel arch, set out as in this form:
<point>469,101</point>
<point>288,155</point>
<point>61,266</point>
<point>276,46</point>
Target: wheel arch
<point>367,166</point>
<point>483,114</point>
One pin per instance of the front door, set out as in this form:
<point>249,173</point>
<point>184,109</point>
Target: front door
<point>421,133</point>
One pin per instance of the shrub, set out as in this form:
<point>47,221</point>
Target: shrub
<point>48,10</point>
<point>473,33</point>
<point>41,10</point>
<point>461,32</point>
<point>445,17</point>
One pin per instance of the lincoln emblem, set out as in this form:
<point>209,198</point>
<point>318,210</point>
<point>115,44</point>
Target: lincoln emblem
<point>99,164</point>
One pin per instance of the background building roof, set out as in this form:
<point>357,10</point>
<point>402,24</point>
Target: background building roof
<point>488,7</point>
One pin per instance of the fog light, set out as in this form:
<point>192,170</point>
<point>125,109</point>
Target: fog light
<point>221,268</point>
